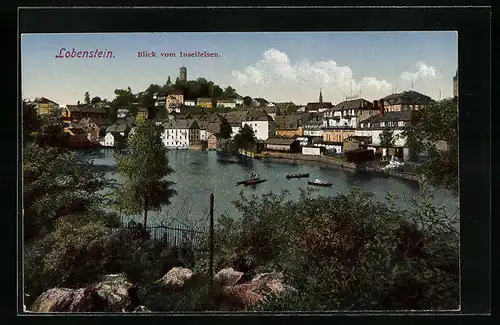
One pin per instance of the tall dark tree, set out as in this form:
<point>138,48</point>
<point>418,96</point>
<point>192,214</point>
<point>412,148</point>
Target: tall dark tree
<point>225,128</point>
<point>87,98</point>
<point>230,92</point>
<point>431,126</point>
<point>95,100</point>
<point>145,167</point>
<point>153,88</point>
<point>244,139</point>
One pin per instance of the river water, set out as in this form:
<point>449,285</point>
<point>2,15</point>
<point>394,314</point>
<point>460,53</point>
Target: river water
<point>199,173</point>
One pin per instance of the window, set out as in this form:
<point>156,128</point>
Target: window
<point>382,124</point>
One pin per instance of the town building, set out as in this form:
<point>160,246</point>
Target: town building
<point>174,100</point>
<point>395,121</point>
<point>337,134</point>
<point>46,106</point>
<point>123,113</point>
<point>349,113</point>
<point>407,100</point>
<point>90,127</point>
<point>261,102</point>
<point>142,114</point>
<point>235,119</point>
<point>160,99</point>
<point>204,102</point>
<point>262,124</point>
<point>121,129</point>
<point>319,106</point>
<point>239,101</point>
<point>191,103</point>
<point>311,150</point>
<point>356,142</point>
<point>272,110</point>
<point>313,128</point>
<point>113,139</point>
<point>180,134</point>
<point>76,112</point>
<point>284,145</point>
<point>228,103</point>
<point>288,126</point>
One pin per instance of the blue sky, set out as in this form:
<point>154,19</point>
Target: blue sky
<point>289,66</point>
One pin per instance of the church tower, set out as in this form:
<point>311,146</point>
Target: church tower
<point>320,96</point>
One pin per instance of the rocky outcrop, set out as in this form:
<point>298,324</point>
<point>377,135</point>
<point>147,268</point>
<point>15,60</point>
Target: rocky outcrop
<point>113,294</point>
<point>176,278</point>
<point>227,277</point>
<point>246,295</point>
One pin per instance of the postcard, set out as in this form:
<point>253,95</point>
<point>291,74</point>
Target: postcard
<point>240,171</point>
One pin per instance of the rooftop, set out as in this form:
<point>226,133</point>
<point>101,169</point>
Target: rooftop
<point>359,103</point>
<point>280,141</point>
<point>390,116</point>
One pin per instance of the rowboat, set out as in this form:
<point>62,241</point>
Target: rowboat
<point>297,175</point>
<point>317,182</point>
<point>254,181</point>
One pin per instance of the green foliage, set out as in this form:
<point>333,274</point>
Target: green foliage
<point>87,98</point>
<point>31,122</point>
<point>345,252</point>
<point>96,100</point>
<point>387,138</point>
<point>437,122</point>
<point>225,128</point>
<point>144,165</point>
<point>56,182</point>
<point>244,139</point>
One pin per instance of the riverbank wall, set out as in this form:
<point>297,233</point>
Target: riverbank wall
<point>337,162</point>
<point>296,157</point>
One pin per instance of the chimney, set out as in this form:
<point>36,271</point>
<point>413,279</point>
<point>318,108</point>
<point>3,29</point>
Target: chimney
<point>381,107</point>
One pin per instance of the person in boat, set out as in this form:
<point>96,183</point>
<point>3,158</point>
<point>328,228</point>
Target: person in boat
<point>253,175</point>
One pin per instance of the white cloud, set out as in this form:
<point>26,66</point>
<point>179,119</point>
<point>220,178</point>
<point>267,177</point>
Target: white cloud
<point>275,76</point>
<point>424,71</point>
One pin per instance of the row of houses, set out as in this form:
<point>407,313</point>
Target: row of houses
<point>335,128</point>
<point>174,100</point>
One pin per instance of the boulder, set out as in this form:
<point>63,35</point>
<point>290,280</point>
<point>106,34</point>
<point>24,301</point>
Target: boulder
<point>246,295</point>
<point>227,277</point>
<point>113,294</point>
<point>176,278</point>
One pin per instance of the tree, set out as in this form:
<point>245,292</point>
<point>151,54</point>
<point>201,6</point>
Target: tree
<point>430,125</point>
<point>95,100</point>
<point>153,88</point>
<point>144,165</point>
<point>169,82</point>
<point>147,100</point>
<point>56,183</point>
<point>87,98</point>
<point>225,128</point>
<point>230,92</point>
<point>31,121</point>
<point>244,139</point>
<point>218,92</point>
<point>387,138</point>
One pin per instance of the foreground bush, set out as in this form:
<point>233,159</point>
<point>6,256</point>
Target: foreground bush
<point>345,252</point>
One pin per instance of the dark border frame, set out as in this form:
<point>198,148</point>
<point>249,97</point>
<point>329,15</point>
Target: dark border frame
<point>473,26</point>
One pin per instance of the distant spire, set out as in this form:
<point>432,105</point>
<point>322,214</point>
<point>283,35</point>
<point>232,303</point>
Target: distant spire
<point>320,96</point>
